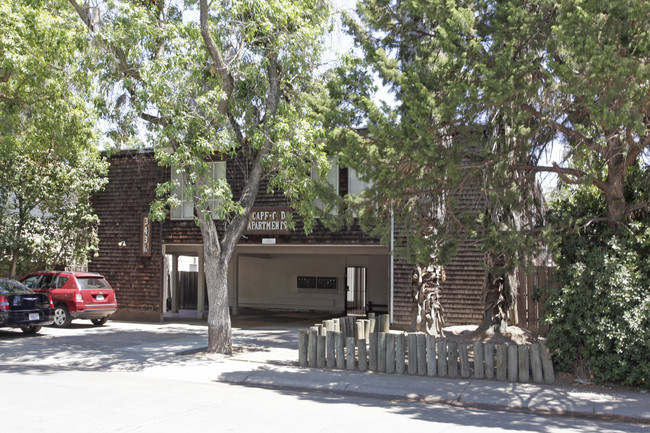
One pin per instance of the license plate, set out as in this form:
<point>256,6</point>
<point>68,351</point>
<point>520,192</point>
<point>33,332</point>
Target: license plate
<point>100,297</point>
<point>34,316</point>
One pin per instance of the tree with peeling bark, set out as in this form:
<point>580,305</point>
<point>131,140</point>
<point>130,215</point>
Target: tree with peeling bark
<point>482,92</point>
<point>216,81</point>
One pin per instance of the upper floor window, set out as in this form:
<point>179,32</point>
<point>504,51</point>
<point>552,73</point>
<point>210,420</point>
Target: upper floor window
<point>356,185</point>
<point>332,178</point>
<point>186,209</point>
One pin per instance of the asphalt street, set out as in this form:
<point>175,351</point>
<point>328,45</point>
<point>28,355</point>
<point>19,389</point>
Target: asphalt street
<point>127,377</point>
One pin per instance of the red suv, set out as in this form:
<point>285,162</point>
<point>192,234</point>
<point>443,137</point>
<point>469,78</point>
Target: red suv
<point>76,295</point>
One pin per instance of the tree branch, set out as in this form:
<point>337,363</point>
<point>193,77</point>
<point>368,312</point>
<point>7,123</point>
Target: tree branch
<point>217,58</point>
<point>5,77</point>
<point>249,194</point>
<point>563,173</point>
<point>563,129</point>
<point>82,14</point>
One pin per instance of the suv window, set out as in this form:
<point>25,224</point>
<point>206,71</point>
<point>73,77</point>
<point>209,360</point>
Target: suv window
<point>31,282</point>
<point>92,283</point>
<point>47,282</point>
<point>60,282</point>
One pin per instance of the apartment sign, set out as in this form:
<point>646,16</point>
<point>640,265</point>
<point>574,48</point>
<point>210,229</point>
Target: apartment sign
<point>268,221</point>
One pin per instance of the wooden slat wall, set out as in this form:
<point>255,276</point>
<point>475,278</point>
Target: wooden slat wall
<point>529,311</point>
<point>136,278</point>
<point>461,292</point>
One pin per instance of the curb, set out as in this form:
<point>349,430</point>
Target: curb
<point>431,400</point>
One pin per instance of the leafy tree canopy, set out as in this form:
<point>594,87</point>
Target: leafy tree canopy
<point>49,163</point>
<point>483,90</point>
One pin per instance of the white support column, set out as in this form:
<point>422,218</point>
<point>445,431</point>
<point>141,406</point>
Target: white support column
<point>200,298</point>
<point>174,283</point>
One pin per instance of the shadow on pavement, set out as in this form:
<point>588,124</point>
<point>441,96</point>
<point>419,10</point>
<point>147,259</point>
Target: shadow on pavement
<point>297,383</point>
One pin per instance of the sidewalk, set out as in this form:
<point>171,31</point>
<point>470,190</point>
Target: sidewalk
<point>268,356</point>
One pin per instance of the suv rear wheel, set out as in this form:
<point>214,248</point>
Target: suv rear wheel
<point>30,329</point>
<point>99,322</point>
<point>62,317</point>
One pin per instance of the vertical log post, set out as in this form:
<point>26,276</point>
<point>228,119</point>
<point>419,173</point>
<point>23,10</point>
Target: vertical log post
<point>432,366</point>
<point>385,322</point>
<point>464,360</point>
<point>513,364</point>
<point>361,332</point>
<point>524,363</point>
<point>363,356</point>
<point>349,353</point>
<point>536,363</point>
<point>352,327</point>
<point>381,352</point>
<point>320,351</point>
<point>303,338</point>
<point>422,353</point>
<point>343,325</point>
<point>452,359</point>
<point>502,362</point>
<point>312,346</point>
<point>442,357</point>
<point>479,352</point>
<point>340,354</point>
<point>390,353</point>
<point>411,340</point>
<point>374,342</point>
<point>331,352</point>
<point>489,360</point>
<point>547,364</point>
<point>400,353</point>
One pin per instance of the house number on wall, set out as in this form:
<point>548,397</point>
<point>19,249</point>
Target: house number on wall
<point>146,235</point>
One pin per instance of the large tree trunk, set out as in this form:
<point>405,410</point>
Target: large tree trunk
<point>499,295</point>
<point>495,313</point>
<point>614,188</point>
<point>216,279</point>
<point>14,264</point>
<point>427,310</point>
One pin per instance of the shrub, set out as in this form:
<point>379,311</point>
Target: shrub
<point>599,308</point>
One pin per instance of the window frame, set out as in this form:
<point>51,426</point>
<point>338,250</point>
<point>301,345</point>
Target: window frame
<point>185,211</point>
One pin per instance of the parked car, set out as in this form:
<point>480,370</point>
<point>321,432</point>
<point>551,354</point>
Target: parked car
<point>76,295</point>
<point>22,308</point>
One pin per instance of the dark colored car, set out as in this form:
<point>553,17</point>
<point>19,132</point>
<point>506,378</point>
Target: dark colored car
<point>22,308</point>
<point>76,295</point>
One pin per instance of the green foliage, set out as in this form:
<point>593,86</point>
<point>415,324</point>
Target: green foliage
<point>154,67</point>
<point>49,162</point>
<point>599,305</point>
<point>439,159</point>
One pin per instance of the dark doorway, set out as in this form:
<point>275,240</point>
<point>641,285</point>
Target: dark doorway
<point>355,290</point>
<point>187,290</point>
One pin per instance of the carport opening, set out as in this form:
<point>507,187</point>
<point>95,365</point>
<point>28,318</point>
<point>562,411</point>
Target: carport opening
<point>183,298</point>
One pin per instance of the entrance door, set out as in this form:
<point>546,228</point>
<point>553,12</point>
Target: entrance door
<point>355,290</point>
